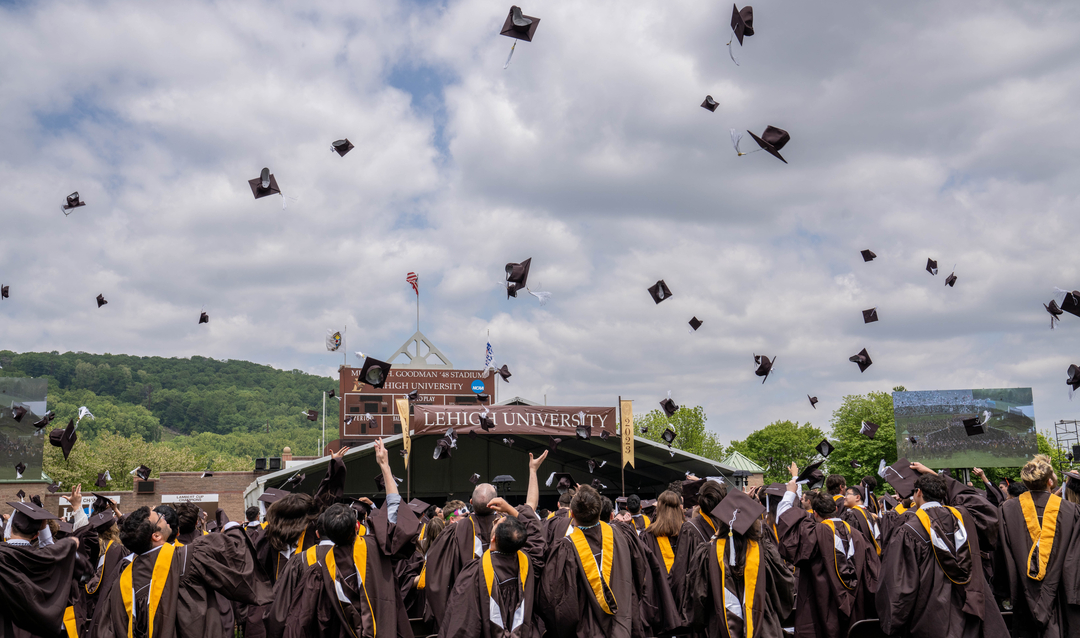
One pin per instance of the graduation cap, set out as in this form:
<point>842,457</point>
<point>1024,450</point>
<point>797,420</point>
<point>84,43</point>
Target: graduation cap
<point>1071,303</point>
<point>142,472</point>
<point>380,482</point>
<point>695,323</point>
<point>950,280</point>
<point>868,255</point>
<point>869,316</point>
<point>604,435</point>
<point>101,301</point>
<point>690,490</point>
<point>593,465</point>
<point>811,474</point>
<point>204,318</point>
<point>813,401</point>
<point>509,441</point>
<point>504,372</point>
<point>418,507</point>
<point>312,415</point>
<point>474,479</point>
<point>342,146</point>
<point>659,291</point>
<point>263,185</point>
<point>1055,312</point>
<point>889,502</point>
<point>519,26</point>
<point>413,396</point>
<point>644,429</point>
<point>482,397</point>
<point>974,426</point>
<point>26,512</point>
<point>102,519</point>
<point>597,485</point>
<point>517,276</point>
<point>764,366</point>
<point>669,436</point>
<point>20,467</point>
<point>20,495</point>
<point>914,441</point>
<point>669,407</point>
<point>53,488</point>
<point>101,503</point>
<point>863,359</point>
<point>442,449</point>
<point>931,266</point>
<point>825,448</point>
<point>855,464</point>
<point>1074,378</point>
<point>584,432</point>
<point>901,477</point>
<point>742,22</point>
<point>4,291</point>
<point>45,420</point>
<point>72,202</point>
<point>562,482</point>
<point>64,439</point>
<point>273,495</point>
<point>374,372</point>
<point>738,511</point>
<point>486,423</point>
<point>18,412</point>
<point>772,140</point>
<point>869,429</point>
<point>103,479</point>
<point>710,104</point>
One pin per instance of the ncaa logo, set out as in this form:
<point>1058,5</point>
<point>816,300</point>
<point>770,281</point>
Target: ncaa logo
<point>478,386</point>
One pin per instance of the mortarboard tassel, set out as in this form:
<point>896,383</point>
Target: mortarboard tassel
<point>731,538</point>
<point>510,56</point>
<point>731,50</point>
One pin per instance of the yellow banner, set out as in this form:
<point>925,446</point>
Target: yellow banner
<point>626,413</point>
<point>403,414</point>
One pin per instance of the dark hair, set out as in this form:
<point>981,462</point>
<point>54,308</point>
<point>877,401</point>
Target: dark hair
<point>510,535</point>
<point>710,495</point>
<point>933,487</point>
<point>870,483</point>
<point>338,523</point>
<point>170,516</point>
<point>565,498</point>
<point>857,491</point>
<point>187,517</point>
<point>287,518</point>
<point>1016,488</point>
<point>822,505</point>
<point>633,503</point>
<point>835,484</point>
<point>606,509</point>
<point>137,530</point>
<point>586,506</point>
<point>252,514</point>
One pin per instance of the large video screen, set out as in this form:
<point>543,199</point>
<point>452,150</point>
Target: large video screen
<point>20,441</point>
<point>934,419</point>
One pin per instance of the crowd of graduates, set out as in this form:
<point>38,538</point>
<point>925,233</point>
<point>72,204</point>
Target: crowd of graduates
<point>938,558</point>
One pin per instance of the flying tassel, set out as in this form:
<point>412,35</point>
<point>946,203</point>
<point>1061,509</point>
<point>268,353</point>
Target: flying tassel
<point>731,538</point>
<point>730,50</point>
<point>510,56</point>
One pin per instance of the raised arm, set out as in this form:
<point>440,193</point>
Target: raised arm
<point>532,497</point>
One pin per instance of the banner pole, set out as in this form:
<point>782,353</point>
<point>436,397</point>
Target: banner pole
<point>622,466</point>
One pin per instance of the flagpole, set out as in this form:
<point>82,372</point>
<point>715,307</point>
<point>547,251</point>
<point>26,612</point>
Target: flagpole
<point>623,464</point>
<point>322,444</point>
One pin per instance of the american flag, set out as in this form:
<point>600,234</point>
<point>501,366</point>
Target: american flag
<point>412,279</point>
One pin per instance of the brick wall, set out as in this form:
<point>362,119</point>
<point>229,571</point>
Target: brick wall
<point>755,480</point>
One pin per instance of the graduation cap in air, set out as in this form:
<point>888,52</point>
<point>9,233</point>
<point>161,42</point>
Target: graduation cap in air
<point>604,435</point>
<point>644,429</point>
<point>45,420</point>
<point>1074,379</point>
<point>772,140</point>
<point>931,266</point>
<point>710,104</point>
<point>504,372</point>
<point>101,301</point>
<point>669,407</point>
<point>342,146</point>
<point>53,488</point>
<point>312,415</point>
<point>742,22</point>
<point>1071,303</point>
<point>868,255</point>
<point>811,474</point>
<point>20,467</point>
<point>142,472</point>
<point>598,485</point>
<point>738,511</point>
<point>64,439</point>
<point>486,422</point>
<point>482,397</point>
<point>950,280</point>
<point>508,441</point>
<point>418,507</point>
<point>583,432</point>
<point>264,185</point>
<point>18,412</point>
<point>20,495</point>
<point>380,482</point>
<point>813,401</point>
<point>72,203</point>
<point>974,426</point>
<point>863,359</point>
<point>442,449</point>
<point>868,429</point>
<point>901,477</point>
<point>855,464</point>
<point>593,465</point>
<point>103,479</point>
<point>26,512</point>
<point>207,473</point>
<point>695,323</point>
<point>374,372</point>
<point>517,276</point>
<point>1055,312</point>
<point>204,318</point>
<point>272,495</point>
<point>869,316</point>
<point>764,366</point>
<point>101,503</point>
<point>659,291</point>
<point>519,26</point>
<point>474,479</point>
<point>413,396</point>
<point>825,448</point>
<point>4,291</point>
<point>669,436</point>
<point>561,481</point>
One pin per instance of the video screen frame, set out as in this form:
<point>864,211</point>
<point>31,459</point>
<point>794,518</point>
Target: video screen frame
<point>20,441</point>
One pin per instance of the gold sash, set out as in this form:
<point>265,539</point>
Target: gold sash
<point>836,563</point>
<point>665,550</point>
<point>102,575</point>
<point>162,565</point>
<point>899,509</point>
<point>359,554</point>
<point>489,570</point>
<point>1042,538</point>
<point>924,518</point>
<point>69,623</point>
<point>709,522</point>
<point>750,574</point>
<point>870,528</point>
<point>421,581</point>
<point>598,581</point>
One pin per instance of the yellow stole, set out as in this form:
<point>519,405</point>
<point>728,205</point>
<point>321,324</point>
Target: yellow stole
<point>665,550</point>
<point>706,518</point>
<point>870,527</point>
<point>899,509</point>
<point>489,570</point>
<point>162,565</point>
<point>924,518</point>
<point>359,554</point>
<point>551,515</point>
<point>421,582</point>
<point>836,566</point>
<point>750,574</point>
<point>593,574</point>
<point>262,525</point>
<point>102,576</point>
<point>177,544</point>
<point>1042,538</point>
<point>69,623</point>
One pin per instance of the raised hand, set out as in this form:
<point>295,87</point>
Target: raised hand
<point>382,457</point>
<point>534,464</point>
<point>341,452</point>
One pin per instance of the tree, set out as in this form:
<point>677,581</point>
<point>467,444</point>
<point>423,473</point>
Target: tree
<point>875,407</point>
<point>691,433</point>
<point>776,445</point>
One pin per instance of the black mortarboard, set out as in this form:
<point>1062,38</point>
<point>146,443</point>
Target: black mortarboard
<point>342,146</point>
<point>690,491</point>
<point>1074,377</point>
<point>442,449</point>
<point>101,301</point>
<point>101,503</point>
<point>974,426</point>
<point>901,477</point>
<point>738,510</point>
<point>53,488</point>
<point>869,429</point>
<point>142,472</point>
<point>380,482</point>
<point>509,441</point>
<point>561,481</point>
<point>64,527</point>
<point>413,396</point>
<point>669,436</point>
<point>64,439</point>
<point>659,291</point>
<point>772,140</point>
<point>504,372</point>
<point>474,479</point>
<point>486,423</point>
<point>855,464</point>
<point>294,481</point>
<point>5,291</point>
<point>73,201</point>
<point>644,429</point>
<point>102,479</point>
<point>418,507</point>
<point>331,395</point>
<point>263,185</point>
<point>517,276</point>
<point>31,512</point>
<point>813,401</point>
<point>695,323</point>
<point>863,359</point>
<point>20,494</point>
<point>869,316</point>
<point>598,485</point>
<point>1055,312</point>
<point>273,495</point>
<point>102,519</point>
<point>20,467</point>
<point>950,280</point>
<point>1071,303</point>
<point>204,318</point>
<point>809,473</point>
<point>710,103</point>
<point>604,435</point>
<point>482,397</point>
<point>825,448</point>
<point>45,420</point>
<point>374,372</point>
<point>519,26</point>
<point>312,415</point>
<point>931,266</point>
<point>764,366</point>
<point>18,412</point>
<point>591,465</point>
<point>583,432</point>
<point>868,255</point>
<point>742,22</point>
<point>669,407</point>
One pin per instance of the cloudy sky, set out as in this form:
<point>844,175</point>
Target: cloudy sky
<point>924,129</point>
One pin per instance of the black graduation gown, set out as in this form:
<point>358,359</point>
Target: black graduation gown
<point>643,571</point>
<point>90,593</point>
<point>865,526</point>
<point>566,601</point>
<point>825,608</point>
<point>773,596</point>
<point>669,610</point>
<point>458,545</point>
<point>35,587</point>
<point>469,614</point>
<point>693,534</point>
